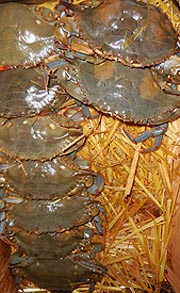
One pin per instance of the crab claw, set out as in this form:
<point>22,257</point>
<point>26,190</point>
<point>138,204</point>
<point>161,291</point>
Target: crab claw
<point>98,184</point>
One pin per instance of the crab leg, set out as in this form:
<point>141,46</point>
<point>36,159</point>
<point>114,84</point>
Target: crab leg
<point>157,132</point>
<point>98,184</point>
<point>98,221</point>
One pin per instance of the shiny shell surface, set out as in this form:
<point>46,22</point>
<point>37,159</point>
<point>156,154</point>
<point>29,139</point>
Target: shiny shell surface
<point>47,180</point>
<point>131,94</point>
<point>57,215</point>
<point>135,33</point>
<point>25,39</point>
<point>38,138</point>
<point>23,93</point>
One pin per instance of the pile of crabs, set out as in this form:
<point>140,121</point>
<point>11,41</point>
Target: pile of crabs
<point>119,56</point>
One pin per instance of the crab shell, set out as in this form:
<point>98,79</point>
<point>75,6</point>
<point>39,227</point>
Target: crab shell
<point>38,138</point>
<point>132,32</point>
<point>130,94</point>
<point>49,179</point>
<point>25,40</point>
<point>64,274</point>
<point>54,216</point>
<point>52,245</point>
<point>23,93</point>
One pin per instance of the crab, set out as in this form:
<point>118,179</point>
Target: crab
<point>64,274</point>
<point>135,33</point>
<point>23,93</point>
<point>57,215</point>
<point>25,40</point>
<point>38,138</point>
<point>53,245</point>
<point>130,94</point>
<point>50,179</point>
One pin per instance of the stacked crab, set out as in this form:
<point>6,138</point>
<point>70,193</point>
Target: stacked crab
<point>123,43</point>
<point>48,210</point>
<point>102,53</point>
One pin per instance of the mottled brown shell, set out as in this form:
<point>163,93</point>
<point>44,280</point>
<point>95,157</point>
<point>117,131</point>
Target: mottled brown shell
<point>135,33</point>
<point>62,274</point>
<point>131,94</point>
<point>57,215</point>
<point>23,92</point>
<point>38,138</point>
<point>47,180</point>
<point>49,245</point>
<point>25,39</point>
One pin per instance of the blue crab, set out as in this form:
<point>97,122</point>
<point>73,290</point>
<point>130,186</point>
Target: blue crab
<point>53,245</point>
<point>25,40</point>
<point>64,274</point>
<point>56,216</point>
<point>130,94</point>
<point>23,93</point>
<point>50,179</point>
<point>116,30</point>
<point>38,138</point>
